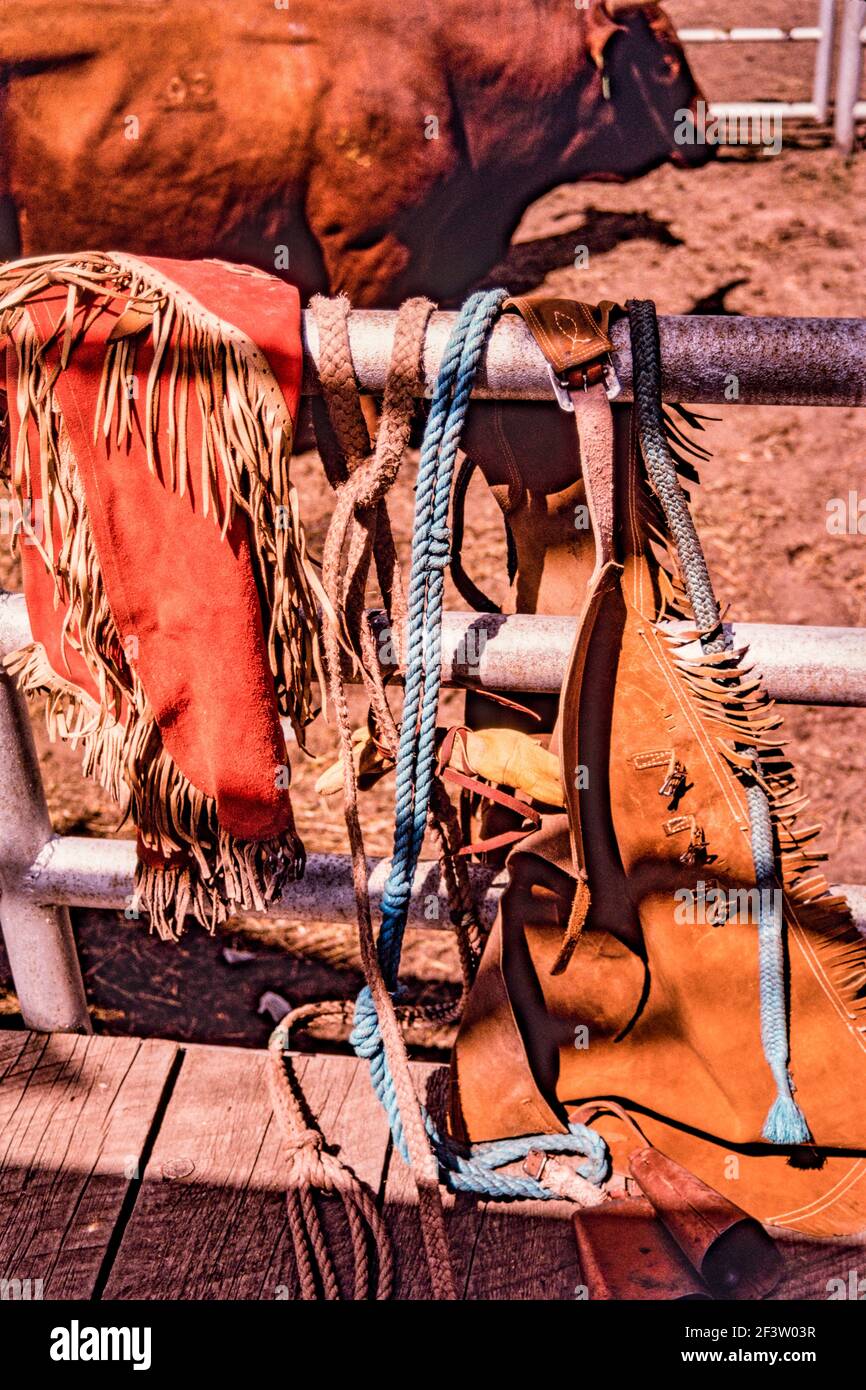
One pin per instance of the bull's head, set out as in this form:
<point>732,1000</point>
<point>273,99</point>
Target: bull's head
<point>639,101</point>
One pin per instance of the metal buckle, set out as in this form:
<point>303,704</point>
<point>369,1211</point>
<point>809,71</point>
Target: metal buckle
<point>562,390</point>
<point>612,383</point>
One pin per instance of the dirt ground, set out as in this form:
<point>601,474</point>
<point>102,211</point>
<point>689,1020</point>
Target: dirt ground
<point>750,233</point>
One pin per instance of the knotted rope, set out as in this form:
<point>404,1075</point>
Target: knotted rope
<point>344,454</point>
<point>359,523</point>
<point>361,484</point>
<point>785,1122</point>
<point>313,1168</point>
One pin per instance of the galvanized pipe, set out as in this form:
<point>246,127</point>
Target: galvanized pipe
<point>38,936</point>
<point>824,60</point>
<point>801,34</point>
<point>821,35</point>
<point>529,651</point>
<point>707,359</point>
<point>755,110</point>
<point>98,874</point>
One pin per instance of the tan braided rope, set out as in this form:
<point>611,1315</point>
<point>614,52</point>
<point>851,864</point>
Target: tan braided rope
<point>349,531</point>
<point>349,447</point>
<point>338,382</point>
<point>313,1168</point>
<point>359,531</point>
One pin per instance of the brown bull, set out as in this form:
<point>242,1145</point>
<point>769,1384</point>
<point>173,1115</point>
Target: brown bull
<point>380,147</point>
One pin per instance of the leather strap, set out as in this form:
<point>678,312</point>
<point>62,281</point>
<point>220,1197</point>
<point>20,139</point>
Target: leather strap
<point>594,420</point>
<point>476,787</point>
<point>573,336</point>
<point>575,340</point>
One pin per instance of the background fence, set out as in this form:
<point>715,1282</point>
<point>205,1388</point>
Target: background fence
<point>848,109</point>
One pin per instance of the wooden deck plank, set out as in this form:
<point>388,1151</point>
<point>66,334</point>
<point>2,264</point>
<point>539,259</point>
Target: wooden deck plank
<point>401,1204</point>
<point>75,1116</point>
<point>811,1263</point>
<point>518,1250</point>
<point>217,1228</point>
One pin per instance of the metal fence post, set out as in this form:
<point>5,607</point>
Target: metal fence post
<point>849,75</point>
<point>821,35</point>
<point>824,60</point>
<point>39,940</point>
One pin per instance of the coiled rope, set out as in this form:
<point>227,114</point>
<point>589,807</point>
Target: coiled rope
<point>785,1122</point>
<point>360,532</point>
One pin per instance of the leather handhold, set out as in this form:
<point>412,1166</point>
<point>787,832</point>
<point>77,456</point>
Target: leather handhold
<point>570,333</point>
<point>626,1253</point>
<point>729,1250</point>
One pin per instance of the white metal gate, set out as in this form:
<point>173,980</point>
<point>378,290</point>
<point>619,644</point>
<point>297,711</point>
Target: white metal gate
<point>848,109</point>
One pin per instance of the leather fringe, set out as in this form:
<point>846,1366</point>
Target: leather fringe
<point>247,435</point>
<point>736,711</point>
<point>248,441</point>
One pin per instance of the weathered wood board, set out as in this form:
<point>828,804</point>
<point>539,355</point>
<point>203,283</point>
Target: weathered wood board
<point>75,1117</point>
<point>210,1218</point>
<point>146,1170</point>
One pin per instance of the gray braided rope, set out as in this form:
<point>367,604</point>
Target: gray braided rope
<point>646,356</point>
<point>785,1123</point>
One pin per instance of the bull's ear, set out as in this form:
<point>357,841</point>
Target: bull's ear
<point>600,28</point>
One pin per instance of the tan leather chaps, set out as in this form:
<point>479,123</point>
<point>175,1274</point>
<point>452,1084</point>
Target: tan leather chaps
<point>624,962</point>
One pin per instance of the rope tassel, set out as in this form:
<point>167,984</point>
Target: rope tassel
<point>785,1122</point>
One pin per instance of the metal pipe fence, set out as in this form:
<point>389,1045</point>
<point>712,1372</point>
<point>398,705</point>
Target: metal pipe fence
<point>761,360</point>
<point>848,109</point>
<point>820,34</point>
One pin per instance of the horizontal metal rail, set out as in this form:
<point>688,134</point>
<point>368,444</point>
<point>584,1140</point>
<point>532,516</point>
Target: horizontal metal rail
<point>786,110</point>
<point>821,34</point>
<point>707,359</point>
<point>74,872</point>
<point>803,34</point>
<point>529,652</point>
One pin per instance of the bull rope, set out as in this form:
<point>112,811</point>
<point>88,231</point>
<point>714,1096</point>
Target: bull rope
<point>359,531</point>
<point>474,1170</point>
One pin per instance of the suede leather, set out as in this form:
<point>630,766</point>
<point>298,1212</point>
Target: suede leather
<point>188,598</point>
<point>671,1008</point>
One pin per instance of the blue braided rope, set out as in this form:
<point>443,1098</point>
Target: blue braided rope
<point>430,549</point>
<point>785,1122</point>
<point>473,1171</point>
